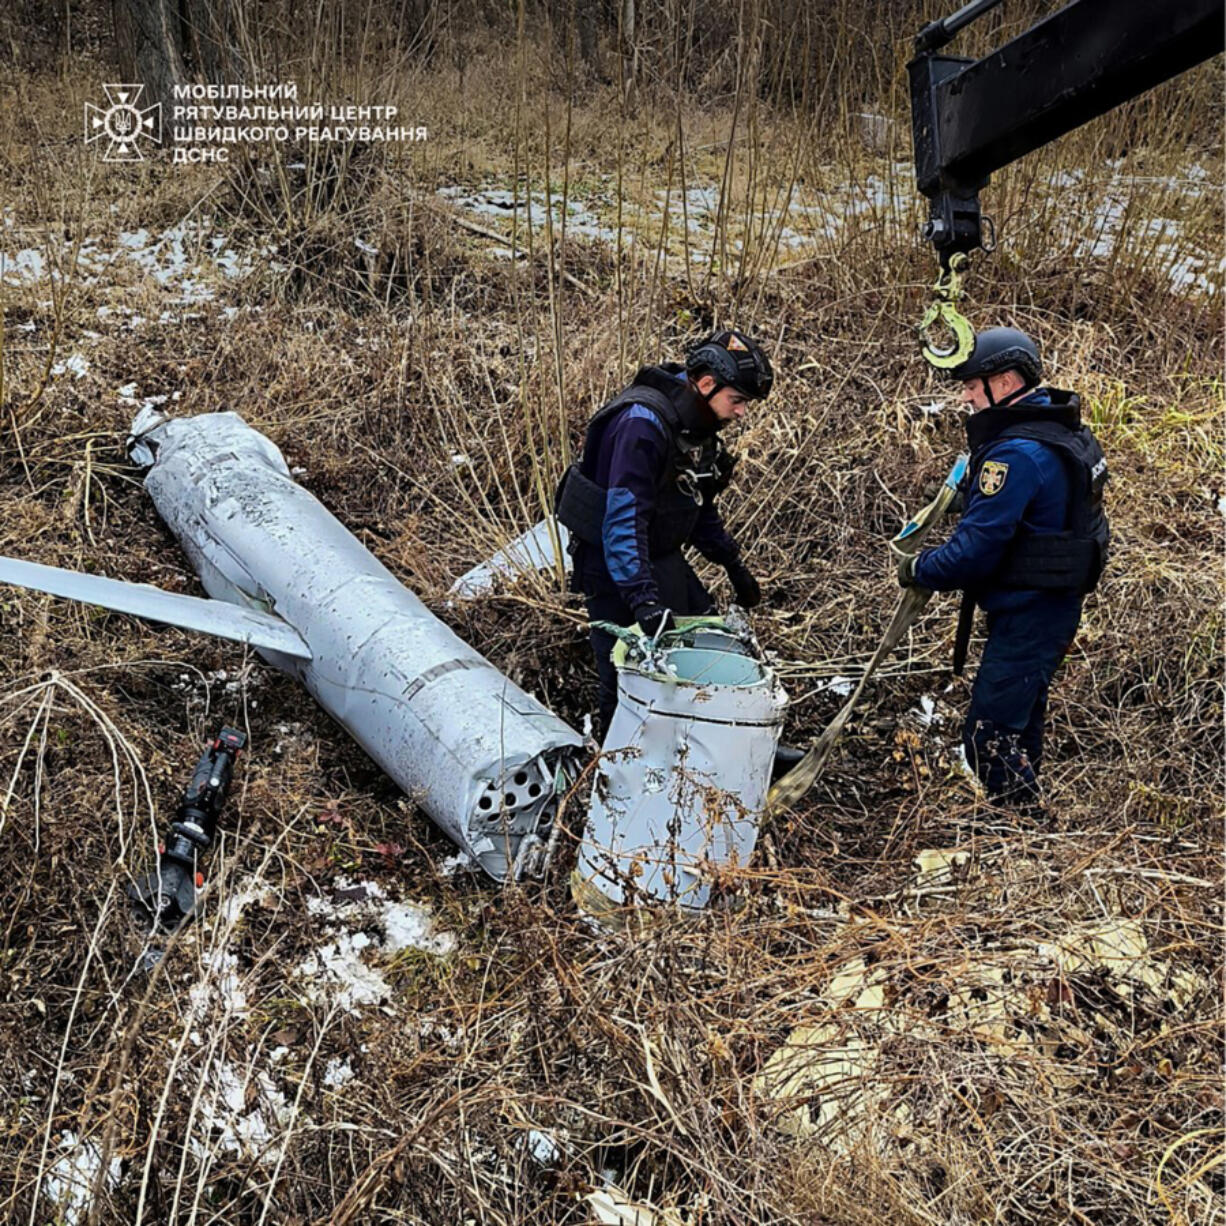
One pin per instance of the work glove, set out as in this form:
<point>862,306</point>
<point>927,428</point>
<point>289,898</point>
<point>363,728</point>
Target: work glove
<point>906,570</point>
<point>933,488</point>
<point>654,620</point>
<point>748,592</point>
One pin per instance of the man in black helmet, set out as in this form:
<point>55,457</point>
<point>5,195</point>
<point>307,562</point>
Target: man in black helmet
<point>1031,543</point>
<point>645,488</point>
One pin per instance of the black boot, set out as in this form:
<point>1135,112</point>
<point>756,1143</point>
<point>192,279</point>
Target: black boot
<point>786,756</point>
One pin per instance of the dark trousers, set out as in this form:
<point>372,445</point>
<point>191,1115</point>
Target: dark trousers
<point>1003,733</point>
<point>680,590</point>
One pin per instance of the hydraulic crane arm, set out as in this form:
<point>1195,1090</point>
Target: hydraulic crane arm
<point>972,117</point>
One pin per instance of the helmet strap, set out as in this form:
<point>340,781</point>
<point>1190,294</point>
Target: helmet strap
<point>1011,398</point>
<point>706,399</point>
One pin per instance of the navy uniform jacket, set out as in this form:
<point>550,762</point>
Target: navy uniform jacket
<point>1023,487</point>
<point>630,463</point>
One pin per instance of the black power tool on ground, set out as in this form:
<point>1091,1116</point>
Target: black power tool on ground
<point>165,899</point>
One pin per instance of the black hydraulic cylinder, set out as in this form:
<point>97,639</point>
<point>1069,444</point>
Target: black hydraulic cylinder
<point>938,33</point>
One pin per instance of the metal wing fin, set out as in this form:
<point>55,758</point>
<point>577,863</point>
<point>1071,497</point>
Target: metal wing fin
<point>215,617</point>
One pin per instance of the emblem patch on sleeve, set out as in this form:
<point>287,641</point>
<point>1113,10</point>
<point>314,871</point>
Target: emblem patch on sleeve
<point>992,477</point>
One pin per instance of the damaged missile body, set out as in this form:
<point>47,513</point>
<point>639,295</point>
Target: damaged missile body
<point>685,768</point>
<point>485,760</point>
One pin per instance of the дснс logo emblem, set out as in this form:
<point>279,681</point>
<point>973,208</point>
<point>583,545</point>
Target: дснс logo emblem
<point>123,123</point>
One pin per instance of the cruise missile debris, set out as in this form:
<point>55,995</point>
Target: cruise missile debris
<point>685,768</point>
<point>485,760</point>
<point>174,609</point>
<point>685,771</point>
<point>542,548</point>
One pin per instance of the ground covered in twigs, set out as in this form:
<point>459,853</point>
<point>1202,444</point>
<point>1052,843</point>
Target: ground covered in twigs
<point>919,1008</point>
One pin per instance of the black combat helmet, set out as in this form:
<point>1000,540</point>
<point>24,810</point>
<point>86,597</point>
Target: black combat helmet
<point>735,360</point>
<point>998,349</point>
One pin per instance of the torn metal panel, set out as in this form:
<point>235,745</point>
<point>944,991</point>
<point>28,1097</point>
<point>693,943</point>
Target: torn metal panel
<point>485,760</point>
<point>684,770</point>
<point>542,547</point>
<point>243,625</point>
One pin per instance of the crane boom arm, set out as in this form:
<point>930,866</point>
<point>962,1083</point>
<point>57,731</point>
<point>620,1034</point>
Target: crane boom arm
<point>970,118</point>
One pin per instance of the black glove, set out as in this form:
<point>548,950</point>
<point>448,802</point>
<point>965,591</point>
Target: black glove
<point>654,620</point>
<point>906,570</point>
<point>933,488</point>
<point>748,593</point>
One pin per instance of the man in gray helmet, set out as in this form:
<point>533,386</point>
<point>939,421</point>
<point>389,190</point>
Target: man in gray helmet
<point>1031,543</point>
<point>645,488</point>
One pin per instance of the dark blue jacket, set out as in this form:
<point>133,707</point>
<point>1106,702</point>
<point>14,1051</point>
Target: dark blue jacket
<point>1023,487</point>
<point>634,452</point>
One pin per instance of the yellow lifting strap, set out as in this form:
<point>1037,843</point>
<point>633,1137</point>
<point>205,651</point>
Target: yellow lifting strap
<point>944,310</point>
<point>786,792</point>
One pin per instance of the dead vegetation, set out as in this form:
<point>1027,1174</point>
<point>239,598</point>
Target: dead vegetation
<point>1025,1029</point>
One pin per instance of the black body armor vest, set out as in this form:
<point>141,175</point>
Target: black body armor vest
<point>697,468</point>
<point>1074,558</point>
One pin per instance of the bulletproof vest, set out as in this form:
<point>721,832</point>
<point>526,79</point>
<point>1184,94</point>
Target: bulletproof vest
<point>1074,558</point>
<point>697,468</point>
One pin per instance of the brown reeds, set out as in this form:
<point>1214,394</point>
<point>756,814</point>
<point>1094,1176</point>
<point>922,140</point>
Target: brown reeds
<point>424,387</point>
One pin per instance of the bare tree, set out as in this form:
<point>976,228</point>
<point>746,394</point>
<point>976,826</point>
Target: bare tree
<point>149,40</point>
<point>164,43</point>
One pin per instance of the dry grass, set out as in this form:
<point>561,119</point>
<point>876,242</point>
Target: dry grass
<point>638,1055</point>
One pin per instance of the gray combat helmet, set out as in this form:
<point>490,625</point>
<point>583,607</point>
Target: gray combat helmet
<point>998,349</point>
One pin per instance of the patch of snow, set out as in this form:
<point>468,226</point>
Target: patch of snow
<point>932,408</point>
<point>461,862</point>
<point>338,968</point>
<point>927,713</point>
<point>225,1119</point>
<point>409,926</point>
<point>69,1184</point>
<point>428,1028</point>
<point>842,686</point>
<point>26,265</point>
<point>543,1146</point>
<point>367,247</point>
<point>230,264</point>
<point>338,1073</point>
<point>75,365</point>
<point>219,981</point>
<point>960,763</point>
<point>129,395</point>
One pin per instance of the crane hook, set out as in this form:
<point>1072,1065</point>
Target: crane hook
<point>943,309</point>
